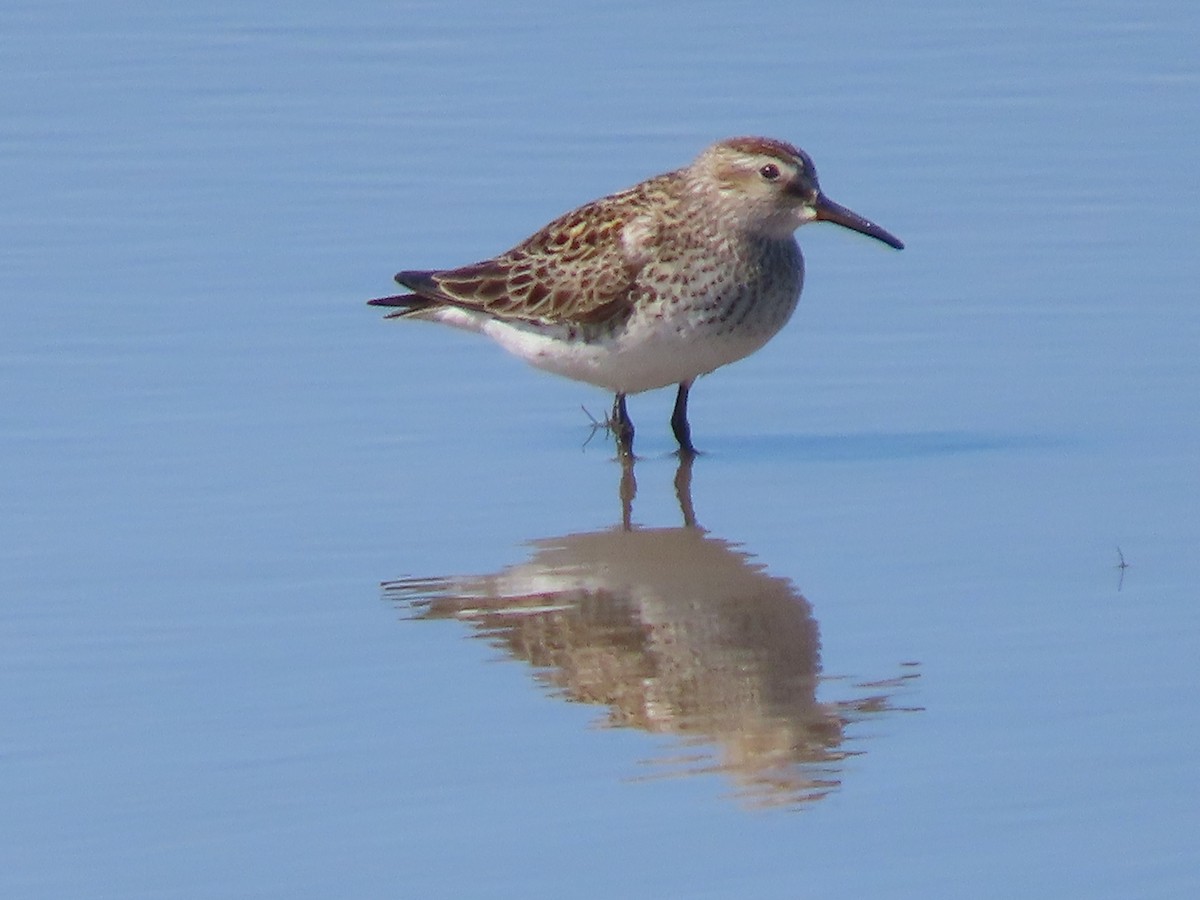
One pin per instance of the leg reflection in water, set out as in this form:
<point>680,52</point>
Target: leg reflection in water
<point>627,490</point>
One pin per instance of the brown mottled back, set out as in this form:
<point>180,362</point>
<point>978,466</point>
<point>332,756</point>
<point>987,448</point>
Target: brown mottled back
<point>579,268</point>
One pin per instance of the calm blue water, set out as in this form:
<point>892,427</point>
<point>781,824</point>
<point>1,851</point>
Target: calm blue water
<point>897,658</point>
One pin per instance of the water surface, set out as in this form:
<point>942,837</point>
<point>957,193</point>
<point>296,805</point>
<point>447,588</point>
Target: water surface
<point>889,650</point>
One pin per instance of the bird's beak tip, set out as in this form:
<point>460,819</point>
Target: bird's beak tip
<point>828,211</point>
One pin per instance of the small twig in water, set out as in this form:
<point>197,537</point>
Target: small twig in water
<point>597,424</point>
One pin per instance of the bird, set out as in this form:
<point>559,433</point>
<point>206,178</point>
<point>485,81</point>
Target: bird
<point>652,286</point>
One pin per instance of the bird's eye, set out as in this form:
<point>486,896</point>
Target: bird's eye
<point>770,171</point>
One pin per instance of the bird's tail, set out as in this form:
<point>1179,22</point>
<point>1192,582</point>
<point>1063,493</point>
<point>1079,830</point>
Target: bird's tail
<point>404,304</point>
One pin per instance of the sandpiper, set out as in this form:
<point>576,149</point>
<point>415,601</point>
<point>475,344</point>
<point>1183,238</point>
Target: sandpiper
<point>652,286</point>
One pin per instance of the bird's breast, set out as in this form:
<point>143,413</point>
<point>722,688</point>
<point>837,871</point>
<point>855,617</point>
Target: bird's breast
<point>735,288</point>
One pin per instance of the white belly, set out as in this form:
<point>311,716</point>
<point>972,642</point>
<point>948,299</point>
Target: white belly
<point>629,362</point>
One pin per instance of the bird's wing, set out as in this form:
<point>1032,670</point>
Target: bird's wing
<point>581,268</point>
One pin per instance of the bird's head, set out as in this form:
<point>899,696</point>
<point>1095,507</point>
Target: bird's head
<point>771,187</point>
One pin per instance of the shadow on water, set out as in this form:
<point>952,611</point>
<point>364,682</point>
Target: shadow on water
<point>678,633</point>
<point>871,446</point>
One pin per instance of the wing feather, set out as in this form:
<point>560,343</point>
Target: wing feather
<point>581,268</point>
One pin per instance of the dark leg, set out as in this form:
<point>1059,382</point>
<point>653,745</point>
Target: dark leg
<point>679,422</point>
<point>622,427</point>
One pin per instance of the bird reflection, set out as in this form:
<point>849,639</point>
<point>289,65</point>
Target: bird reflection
<point>675,632</point>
